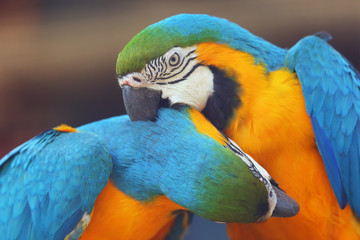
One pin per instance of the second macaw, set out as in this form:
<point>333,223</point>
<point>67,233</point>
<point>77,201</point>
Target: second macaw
<point>117,179</point>
<point>296,111</point>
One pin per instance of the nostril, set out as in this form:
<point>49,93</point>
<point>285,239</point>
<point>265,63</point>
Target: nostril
<point>123,82</point>
<point>136,79</point>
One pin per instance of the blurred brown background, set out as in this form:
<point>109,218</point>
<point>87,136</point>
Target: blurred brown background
<point>57,58</point>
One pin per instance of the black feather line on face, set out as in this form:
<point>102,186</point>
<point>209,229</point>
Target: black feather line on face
<point>221,105</point>
<point>186,75</point>
<point>182,69</point>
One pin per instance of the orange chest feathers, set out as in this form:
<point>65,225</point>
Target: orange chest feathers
<point>118,216</point>
<point>273,127</point>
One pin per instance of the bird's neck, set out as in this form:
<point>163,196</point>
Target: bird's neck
<point>238,80</point>
<point>266,100</point>
<point>273,115</point>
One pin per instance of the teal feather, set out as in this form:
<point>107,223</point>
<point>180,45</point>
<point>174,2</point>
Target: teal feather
<point>190,187</point>
<point>189,29</point>
<point>49,182</point>
<point>331,88</point>
<point>39,200</point>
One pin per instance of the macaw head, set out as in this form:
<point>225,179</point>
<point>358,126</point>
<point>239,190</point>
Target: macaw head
<point>188,59</point>
<point>177,62</point>
<point>184,157</point>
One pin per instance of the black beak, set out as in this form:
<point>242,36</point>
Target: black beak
<point>141,104</point>
<point>285,205</point>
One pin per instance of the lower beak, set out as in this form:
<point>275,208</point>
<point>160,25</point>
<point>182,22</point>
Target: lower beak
<point>285,205</point>
<point>141,104</point>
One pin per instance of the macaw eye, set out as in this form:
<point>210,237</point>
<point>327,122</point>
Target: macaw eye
<point>174,59</point>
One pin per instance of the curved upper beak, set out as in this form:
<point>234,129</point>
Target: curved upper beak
<point>285,205</point>
<point>141,104</point>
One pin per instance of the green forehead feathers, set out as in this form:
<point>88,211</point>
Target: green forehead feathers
<point>189,29</point>
<point>157,39</point>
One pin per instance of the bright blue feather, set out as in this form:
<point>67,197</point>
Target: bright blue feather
<point>332,169</point>
<point>331,88</point>
<point>49,182</point>
<point>131,172</point>
<point>170,157</point>
<point>192,25</point>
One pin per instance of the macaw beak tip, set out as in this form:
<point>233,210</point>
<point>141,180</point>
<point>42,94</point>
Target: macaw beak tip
<point>141,104</point>
<point>285,205</point>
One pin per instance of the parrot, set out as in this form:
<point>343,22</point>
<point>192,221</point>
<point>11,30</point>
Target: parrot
<point>119,179</point>
<point>296,111</point>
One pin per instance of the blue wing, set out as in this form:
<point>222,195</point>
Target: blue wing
<point>48,184</point>
<point>331,88</point>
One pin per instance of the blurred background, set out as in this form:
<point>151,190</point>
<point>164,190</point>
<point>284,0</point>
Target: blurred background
<point>57,58</point>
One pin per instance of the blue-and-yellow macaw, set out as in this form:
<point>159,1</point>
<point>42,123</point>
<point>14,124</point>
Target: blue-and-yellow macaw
<point>117,179</point>
<point>296,111</point>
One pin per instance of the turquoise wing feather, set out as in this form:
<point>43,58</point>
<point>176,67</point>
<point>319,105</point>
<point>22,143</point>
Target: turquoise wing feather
<point>331,88</point>
<point>48,184</point>
<point>170,157</point>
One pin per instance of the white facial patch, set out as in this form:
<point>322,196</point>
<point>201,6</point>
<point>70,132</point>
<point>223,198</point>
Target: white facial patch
<point>179,76</point>
<point>194,91</point>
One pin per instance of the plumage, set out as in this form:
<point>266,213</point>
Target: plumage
<point>199,149</point>
<point>299,114</point>
<point>178,31</point>
<point>49,182</point>
<point>339,71</point>
<point>129,180</point>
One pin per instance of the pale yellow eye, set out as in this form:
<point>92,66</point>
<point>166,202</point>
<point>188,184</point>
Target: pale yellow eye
<point>174,59</point>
